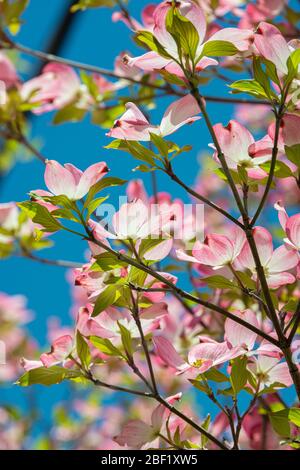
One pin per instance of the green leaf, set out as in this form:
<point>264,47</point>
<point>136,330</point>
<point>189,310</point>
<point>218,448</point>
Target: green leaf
<point>160,144</point>
<point>293,154</point>
<point>262,78</point>
<point>171,78</point>
<point>292,64</point>
<point>294,416</point>
<point>219,282</point>
<point>107,182</point>
<point>61,200</point>
<point>107,262</point>
<point>70,113</point>
<point>141,153</point>
<point>148,244</point>
<point>85,4</point>
<point>83,351</point>
<point>137,276</point>
<point>108,297</point>
<point>218,49</point>
<point>40,215</point>
<point>215,375</point>
<point>205,425</point>
<point>11,11</point>
<point>89,82</point>
<point>65,214</point>
<point>93,205</point>
<point>295,58</point>
<point>184,33</point>
<point>246,280</point>
<point>200,385</point>
<point>252,87</point>
<point>146,38</point>
<point>291,305</point>
<point>227,392</point>
<point>281,169</point>
<point>47,376</point>
<point>280,422</point>
<point>126,339</point>
<point>105,345</point>
<point>239,374</point>
<point>271,71</point>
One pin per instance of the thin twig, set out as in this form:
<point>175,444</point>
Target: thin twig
<point>174,177</point>
<point>108,73</point>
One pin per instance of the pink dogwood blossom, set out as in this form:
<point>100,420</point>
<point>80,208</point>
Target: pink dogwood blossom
<point>70,181</point>
<point>56,87</point>
<point>136,221</point>
<point>201,357</point>
<point>133,125</point>
<point>236,143</point>
<point>272,46</point>
<point>216,250</point>
<point>60,350</point>
<point>270,371</point>
<point>276,263</point>
<point>137,433</point>
<point>192,12</point>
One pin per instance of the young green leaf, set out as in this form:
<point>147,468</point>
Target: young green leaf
<point>47,376</point>
<point>40,215</point>
<point>126,339</point>
<point>83,351</point>
<point>105,345</point>
<point>107,297</point>
<point>218,49</point>
<point>239,374</point>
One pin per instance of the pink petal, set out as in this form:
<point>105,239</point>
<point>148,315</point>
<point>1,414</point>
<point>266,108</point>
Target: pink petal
<point>130,219</point>
<point>238,335</point>
<point>262,148</point>
<point>90,176</point>
<point>161,413</point>
<point>88,326</point>
<point>290,129</point>
<point>136,190</point>
<point>30,365</point>
<point>280,373</point>
<point>283,259</point>
<point>293,230</point>
<point>149,62</point>
<point>8,73</point>
<point>272,45</point>
<point>132,125</point>
<point>160,251</point>
<point>167,353</point>
<point>182,111</point>
<point>240,38</point>
<point>76,172</point>
<point>234,140</point>
<point>59,180</point>
<point>60,350</point>
<point>282,215</point>
<point>160,31</point>
<point>205,62</point>
<point>277,280</point>
<point>135,434</point>
<point>216,353</point>
<point>216,251</point>
<point>264,244</point>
